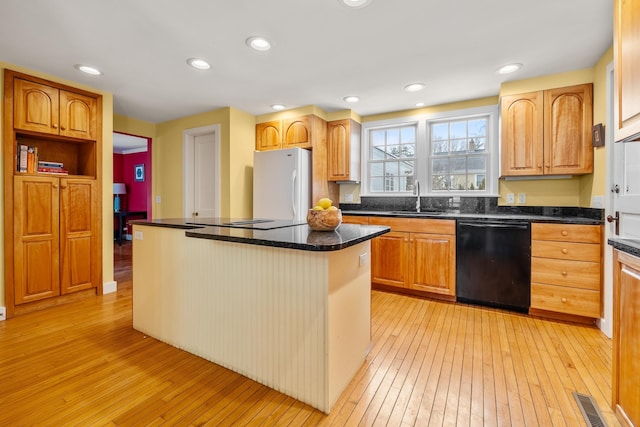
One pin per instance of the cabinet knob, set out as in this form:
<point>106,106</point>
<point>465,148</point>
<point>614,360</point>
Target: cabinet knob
<point>564,273</point>
<point>564,300</point>
<point>55,126</point>
<point>55,185</point>
<point>564,232</point>
<point>565,251</point>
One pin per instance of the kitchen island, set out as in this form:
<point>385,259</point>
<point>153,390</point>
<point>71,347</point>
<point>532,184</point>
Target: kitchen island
<point>286,306</point>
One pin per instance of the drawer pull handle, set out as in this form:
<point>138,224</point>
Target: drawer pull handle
<point>564,273</point>
<point>564,300</point>
<point>565,251</point>
<point>564,232</point>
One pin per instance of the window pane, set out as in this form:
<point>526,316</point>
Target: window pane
<point>477,145</point>
<point>377,169</point>
<point>439,131</point>
<point>459,165</point>
<point>478,127</point>
<point>377,184</point>
<point>408,134</point>
<point>393,136</point>
<point>393,151</point>
<point>391,183</point>
<point>406,168</point>
<point>377,153</point>
<point>458,129</point>
<point>459,182</point>
<point>392,168</point>
<point>377,138</point>
<point>408,150</point>
<point>458,145</point>
<point>441,147</point>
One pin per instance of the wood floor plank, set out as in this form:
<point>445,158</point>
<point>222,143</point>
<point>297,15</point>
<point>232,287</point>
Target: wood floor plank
<point>431,363</point>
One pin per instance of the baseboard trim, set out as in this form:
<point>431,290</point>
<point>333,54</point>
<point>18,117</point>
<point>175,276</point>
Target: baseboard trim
<point>110,287</point>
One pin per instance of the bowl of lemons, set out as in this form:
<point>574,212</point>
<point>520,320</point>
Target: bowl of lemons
<point>324,216</point>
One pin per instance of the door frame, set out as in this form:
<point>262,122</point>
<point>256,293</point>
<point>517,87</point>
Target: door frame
<point>188,141</point>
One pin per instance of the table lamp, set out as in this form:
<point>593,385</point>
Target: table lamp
<point>118,189</point>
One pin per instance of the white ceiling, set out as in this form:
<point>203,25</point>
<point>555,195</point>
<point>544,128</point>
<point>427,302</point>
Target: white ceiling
<point>321,50</point>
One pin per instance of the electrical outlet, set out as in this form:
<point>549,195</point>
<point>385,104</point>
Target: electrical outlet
<point>137,235</point>
<point>3,313</point>
<point>510,198</point>
<point>597,202</point>
<point>522,198</point>
<point>348,198</point>
<point>364,258</point>
<point>158,199</point>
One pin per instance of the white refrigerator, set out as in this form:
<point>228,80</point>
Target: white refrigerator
<point>282,184</point>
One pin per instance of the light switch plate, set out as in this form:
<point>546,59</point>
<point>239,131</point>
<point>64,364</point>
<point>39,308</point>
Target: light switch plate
<point>510,198</point>
<point>522,198</point>
<point>137,235</point>
<point>597,202</point>
<point>348,198</point>
<point>3,313</point>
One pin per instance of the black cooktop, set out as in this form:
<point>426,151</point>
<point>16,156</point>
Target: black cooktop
<point>253,224</point>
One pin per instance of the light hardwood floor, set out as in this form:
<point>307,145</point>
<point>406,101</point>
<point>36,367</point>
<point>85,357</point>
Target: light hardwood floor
<point>431,363</point>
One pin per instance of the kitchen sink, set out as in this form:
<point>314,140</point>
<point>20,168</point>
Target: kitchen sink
<point>414,213</point>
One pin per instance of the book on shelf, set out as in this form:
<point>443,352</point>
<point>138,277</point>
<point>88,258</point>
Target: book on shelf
<point>49,164</point>
<point>32,159</point>
<point>53,171</point>
<point>22,158</point>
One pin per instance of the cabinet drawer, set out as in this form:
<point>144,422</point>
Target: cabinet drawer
<point>581,302</point>
<point>353,219</point>
<point>417,225</point>
<point>566,250</point>
<point>566,232</point>
<point>578,274</point>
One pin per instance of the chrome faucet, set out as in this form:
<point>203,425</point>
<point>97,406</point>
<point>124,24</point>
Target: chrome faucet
<point>417,192</point>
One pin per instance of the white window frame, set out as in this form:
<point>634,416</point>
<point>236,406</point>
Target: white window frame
<point>423,151</point>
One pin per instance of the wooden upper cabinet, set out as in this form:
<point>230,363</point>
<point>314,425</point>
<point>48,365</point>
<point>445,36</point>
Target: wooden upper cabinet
<point>46,109</point>
<point>269,135</point>
<point>548,132</point>
<point>568,121</point>
<point>522,144</point>
<point>36,107</point>
<point>78,115</point>
<point>297,132</point>
<point>626,60</point>
<point>343,150</point>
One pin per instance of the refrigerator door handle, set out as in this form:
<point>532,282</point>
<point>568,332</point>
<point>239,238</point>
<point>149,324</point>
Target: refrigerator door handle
<point>293,192</point>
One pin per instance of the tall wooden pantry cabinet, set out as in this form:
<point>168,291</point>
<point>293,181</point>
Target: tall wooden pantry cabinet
<point>52,149</point>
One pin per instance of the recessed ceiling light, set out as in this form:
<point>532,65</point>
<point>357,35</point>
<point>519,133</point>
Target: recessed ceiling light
<point>351,98</point>
<point>278,107</point>
<point>509,68</point>
<point>419,104</point>
<point>414,87</point>
<point>355,4</point>
<point>258,43</point>
<point>200,64</point>
<point>88,69</point>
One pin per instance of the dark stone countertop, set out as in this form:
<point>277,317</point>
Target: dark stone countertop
<point>287,236</point>
<point>630,246</point>
<point>500,216</point>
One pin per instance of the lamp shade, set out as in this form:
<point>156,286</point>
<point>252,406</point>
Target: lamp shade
<point>119,188</point>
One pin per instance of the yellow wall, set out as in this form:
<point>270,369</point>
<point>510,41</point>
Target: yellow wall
<point>237,142</point>
<point>107,172</point>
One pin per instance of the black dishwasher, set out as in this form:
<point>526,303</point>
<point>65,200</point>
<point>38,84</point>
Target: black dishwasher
<point>493,264</point>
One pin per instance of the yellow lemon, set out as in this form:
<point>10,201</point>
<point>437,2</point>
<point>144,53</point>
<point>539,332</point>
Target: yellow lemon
<point>317,208</point>
<point>333,208</point>
<point>325,203</point>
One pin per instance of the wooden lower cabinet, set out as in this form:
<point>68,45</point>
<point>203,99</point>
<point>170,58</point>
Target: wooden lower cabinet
<point>417,255</point>
<point>55,233</point>
<point>389,259</point>
<point>626,338</point>
<point>566,269</point>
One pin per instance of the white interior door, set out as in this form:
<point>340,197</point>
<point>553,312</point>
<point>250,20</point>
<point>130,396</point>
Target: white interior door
<point>202,172</point>
<point>626,188</point>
